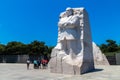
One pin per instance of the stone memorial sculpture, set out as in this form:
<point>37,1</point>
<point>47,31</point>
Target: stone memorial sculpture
<point>99,57</point>
<point>73,53</point>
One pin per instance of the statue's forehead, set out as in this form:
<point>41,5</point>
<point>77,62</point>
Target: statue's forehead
<point>75,10</point>
<point>67,9</point>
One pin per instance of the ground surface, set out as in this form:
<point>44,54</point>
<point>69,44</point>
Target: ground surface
<point>19,72</point>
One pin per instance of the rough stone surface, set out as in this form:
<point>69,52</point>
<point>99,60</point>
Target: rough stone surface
<point>99,57</point>
<point>73,53</point>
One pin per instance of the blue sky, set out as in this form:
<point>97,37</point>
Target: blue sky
<point>28,20</point>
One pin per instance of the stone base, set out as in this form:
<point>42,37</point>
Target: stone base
<point>99,57</point>
<point>60,65</point>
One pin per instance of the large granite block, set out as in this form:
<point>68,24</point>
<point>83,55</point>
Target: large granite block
<point>73,53</point>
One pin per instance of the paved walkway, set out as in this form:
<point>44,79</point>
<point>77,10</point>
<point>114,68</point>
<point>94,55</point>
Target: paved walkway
<point>19,72</point>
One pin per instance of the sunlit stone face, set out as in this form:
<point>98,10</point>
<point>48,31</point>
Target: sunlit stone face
<point>73,52</point>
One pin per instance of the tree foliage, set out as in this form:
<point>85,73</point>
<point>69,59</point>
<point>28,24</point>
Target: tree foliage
<point>14,48</point>
<point>34,48</point>
<point>110,46</point>
<point>2,48</point>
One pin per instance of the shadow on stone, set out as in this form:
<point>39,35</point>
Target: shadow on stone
<point>95,70</point>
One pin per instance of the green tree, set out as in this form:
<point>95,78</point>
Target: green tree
<point>15,48</point>
<point>103,48</point>
<point>110,46</point>
<point>36,47</point>
<point>2,48</point>
<point>47,52</point>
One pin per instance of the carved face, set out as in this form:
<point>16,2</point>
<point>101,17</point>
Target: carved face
<point>69,12</point>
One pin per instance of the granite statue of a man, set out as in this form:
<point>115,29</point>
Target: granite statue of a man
<point>68,34</point>
<point>73,52</point>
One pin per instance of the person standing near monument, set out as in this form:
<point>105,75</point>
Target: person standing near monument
<point>28,63</point>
